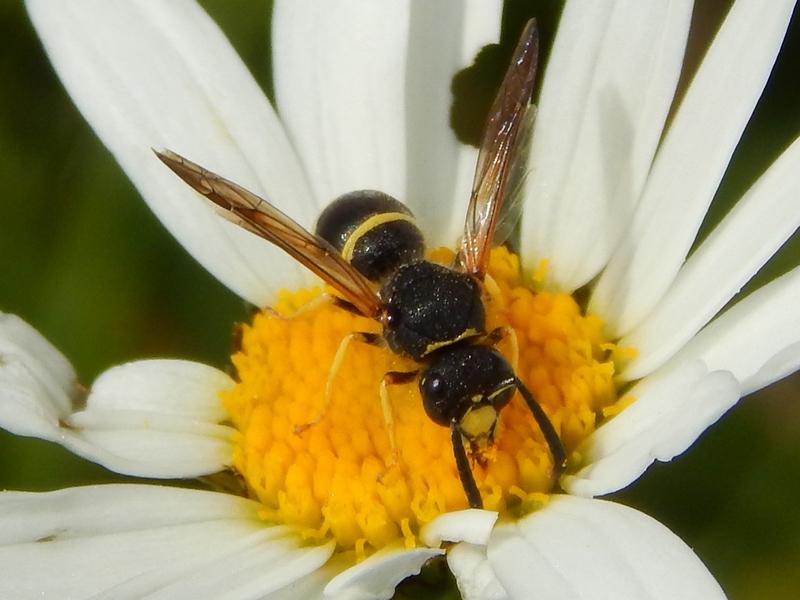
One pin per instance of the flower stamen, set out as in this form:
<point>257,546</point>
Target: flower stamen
<point>342,478</point>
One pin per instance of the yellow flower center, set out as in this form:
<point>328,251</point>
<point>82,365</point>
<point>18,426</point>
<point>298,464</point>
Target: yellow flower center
<point>329,466</point>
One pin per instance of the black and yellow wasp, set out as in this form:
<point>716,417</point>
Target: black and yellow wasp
<point>368,248</point>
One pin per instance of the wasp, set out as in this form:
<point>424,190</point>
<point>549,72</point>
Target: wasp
<point>367,246</point>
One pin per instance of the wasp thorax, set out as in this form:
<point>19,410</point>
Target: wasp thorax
<point>372,231</point>
<point>430,307</point>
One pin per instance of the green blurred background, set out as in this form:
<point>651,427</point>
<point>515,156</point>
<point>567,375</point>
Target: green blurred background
<point>84,261</point>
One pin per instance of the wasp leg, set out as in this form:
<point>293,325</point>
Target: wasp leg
<point>506,332</point>
<point>549,432</point>
<point>392,378</point>
<point>492,289</point>
<point>464,470</point>
<point>373,339</point>
<point>345,305</point>
<point>310,305</point>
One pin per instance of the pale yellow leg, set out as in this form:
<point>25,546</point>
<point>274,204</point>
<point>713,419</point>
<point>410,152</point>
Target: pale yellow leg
<point>493,290</point>
<point>313,303</point>
<point>491,287</point>
<point>512,336</point>
<point>338,358</point>
<point>388,417</point>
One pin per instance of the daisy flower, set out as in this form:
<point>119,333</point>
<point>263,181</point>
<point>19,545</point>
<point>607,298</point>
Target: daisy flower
<point>614,200</point>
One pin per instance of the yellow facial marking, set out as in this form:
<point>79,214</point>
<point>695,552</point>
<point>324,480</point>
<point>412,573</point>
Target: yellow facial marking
<point>479,422</point>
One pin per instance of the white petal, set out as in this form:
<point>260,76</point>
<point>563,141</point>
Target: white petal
<point>473,572</point>
<point>672,408</point>
<point>180,388</point>
<point>339,73</point>
<point>132,541</point>
<point>309,587</point>
<point>37,383</point>
<point>364,89</point>
<point>159,74</point>
<point>157,418</point>
<point>376,577</point>
<point>758,340</point>
<point>471,525</point>
<point>579,548</point>
<point>439,168</point>
<point>606,93</point>
<point>690,163</point>
<point>748,236</point>
<point>267,567</point>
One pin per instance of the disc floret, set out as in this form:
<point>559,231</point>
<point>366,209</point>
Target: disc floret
<point>331,468</point>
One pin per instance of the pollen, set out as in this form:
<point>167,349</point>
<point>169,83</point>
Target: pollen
<point>319,449</point>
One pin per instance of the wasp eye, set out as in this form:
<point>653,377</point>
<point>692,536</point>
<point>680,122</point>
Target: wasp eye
<point>436,399</point>
<point>434,386</point>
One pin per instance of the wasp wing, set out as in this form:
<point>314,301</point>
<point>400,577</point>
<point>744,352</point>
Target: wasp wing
<point>511,210</point>
<point>261,218</point>
<point>504,146</point>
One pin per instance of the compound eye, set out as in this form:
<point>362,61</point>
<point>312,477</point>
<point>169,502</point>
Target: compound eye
<point>434,386</point>
<point>435,393</point>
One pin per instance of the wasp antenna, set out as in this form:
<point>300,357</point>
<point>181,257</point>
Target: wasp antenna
<point>462,464</point>
<point>550,434</point>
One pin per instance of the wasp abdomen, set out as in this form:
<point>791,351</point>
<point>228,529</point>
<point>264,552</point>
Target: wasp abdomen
<point>372,231</point>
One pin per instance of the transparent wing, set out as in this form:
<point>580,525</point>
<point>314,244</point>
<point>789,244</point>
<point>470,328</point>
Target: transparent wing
<point>504,147</point>
<point>511,209</point>
<point>261,218</point>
